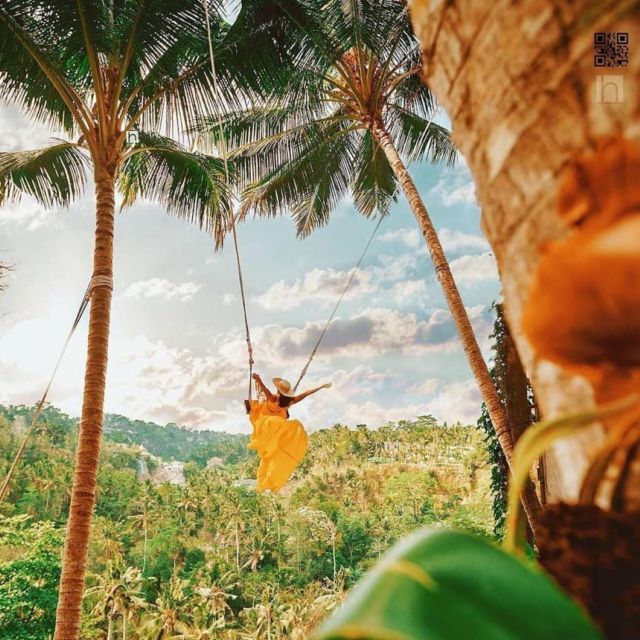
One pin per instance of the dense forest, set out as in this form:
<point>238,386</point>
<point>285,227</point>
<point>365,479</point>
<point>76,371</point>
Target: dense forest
<point>212,558</point>
<point>167,441</point>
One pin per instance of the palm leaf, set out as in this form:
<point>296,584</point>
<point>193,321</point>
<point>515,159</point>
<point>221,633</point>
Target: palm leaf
<point>312,180</point>
<point>417,138</point>
<point>350,63</point>
<point>37,70</point>
<point>374,185</point>
<point>440,584</point>
<point>54,175</point>
<point>190,185</point>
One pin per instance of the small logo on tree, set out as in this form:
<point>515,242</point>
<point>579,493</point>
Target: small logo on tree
<point>133,137</point>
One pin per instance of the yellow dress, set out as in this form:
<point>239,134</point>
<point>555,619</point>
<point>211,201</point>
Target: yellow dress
<point>281,444</point>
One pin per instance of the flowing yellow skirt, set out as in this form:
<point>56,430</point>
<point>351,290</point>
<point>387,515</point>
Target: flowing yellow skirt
<point>281,445</point>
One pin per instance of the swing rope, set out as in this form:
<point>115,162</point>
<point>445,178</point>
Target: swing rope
<point>96,281</point>
<point>235,237</point>
<point>223,149</point>
<point>312,355</point>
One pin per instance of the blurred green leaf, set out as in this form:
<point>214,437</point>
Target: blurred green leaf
<point>440,584</point>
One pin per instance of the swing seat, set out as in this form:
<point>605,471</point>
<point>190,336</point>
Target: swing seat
<point>281,444</point>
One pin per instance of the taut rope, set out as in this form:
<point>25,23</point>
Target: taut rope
<point>223,150</point>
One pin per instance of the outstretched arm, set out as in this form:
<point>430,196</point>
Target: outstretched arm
<point>263,387</point>
<point>306,394</point>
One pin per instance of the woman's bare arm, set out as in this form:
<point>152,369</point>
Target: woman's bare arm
<point>263,387</point>
<point>306,394</point>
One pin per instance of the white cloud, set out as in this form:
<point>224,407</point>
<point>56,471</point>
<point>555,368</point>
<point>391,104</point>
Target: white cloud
<point>456,402</point>
<point>469,269</point>
<point>17,132</point>
<point>371,333</point>
<point>161,288</point>
<point>167,384</point>
<point>408,291</point>
<point>425,387</point>
<point>318,285</point>
<point>27,213</point>
<point>455,186</point>
<point>454,240</point>
<point>407,236</point>
<point>465,193</point>
<point>353,399</point>
<point>228,299</point>
<point>394,268</point>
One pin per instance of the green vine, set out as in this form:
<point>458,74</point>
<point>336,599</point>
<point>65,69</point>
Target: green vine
<point>500,374</point>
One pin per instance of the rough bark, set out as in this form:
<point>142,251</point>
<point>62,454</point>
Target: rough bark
<point>519,83</point>
<point>88,450</point>
<point>595,556</point>
<point>457,309</point>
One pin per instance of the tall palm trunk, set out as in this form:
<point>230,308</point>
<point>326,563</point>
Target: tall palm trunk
<point>470,345</point>
<point>146,540</point>
<point>238,547</point>
<point>88,450</point>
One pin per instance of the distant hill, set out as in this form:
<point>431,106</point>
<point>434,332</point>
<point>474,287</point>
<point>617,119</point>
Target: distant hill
<point>165,441</point>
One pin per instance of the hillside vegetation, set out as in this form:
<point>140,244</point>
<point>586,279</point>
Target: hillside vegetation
<point>212,558</point>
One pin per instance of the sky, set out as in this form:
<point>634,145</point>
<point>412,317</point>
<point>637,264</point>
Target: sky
<point>177,350</point>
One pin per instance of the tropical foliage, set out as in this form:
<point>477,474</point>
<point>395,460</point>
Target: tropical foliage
<point>212,556</point>
<point>349,69</point>
<point>449,584</point>
<point>348,111</point>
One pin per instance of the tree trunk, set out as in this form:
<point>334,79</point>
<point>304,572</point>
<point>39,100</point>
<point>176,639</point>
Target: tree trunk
<point>238,547</point>
<point>333,557</point>
<point>457,309</point>
<point>519,83</point>
<point>88,449</point>
<point>146,537</point>
<point>553,143</point>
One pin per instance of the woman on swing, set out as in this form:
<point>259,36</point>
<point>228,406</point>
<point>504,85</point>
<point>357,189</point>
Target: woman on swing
<point>280,442</point>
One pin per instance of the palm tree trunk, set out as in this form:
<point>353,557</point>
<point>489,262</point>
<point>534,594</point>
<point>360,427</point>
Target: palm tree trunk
<point>457,309</point>
<point>88,450</point>
<point>238,547</point>
<point>146,536</point>
<point>333,557</point>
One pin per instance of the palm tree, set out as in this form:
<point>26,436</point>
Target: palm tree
<point>350,113</point>
<point>322,528</point>
<point>214,596</point>
<point>119,595</point>
<point>519,184</point>
<point>236,522</point>
<point>98,71</point>
<point>141,521</point>
<point>170,615</point>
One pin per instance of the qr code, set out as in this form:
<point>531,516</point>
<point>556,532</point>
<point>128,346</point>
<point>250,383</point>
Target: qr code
<point>611,49</point>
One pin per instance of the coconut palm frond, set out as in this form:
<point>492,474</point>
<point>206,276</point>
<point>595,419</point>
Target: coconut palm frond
<point>190,185</point>
<point>419,138</point>
<point>374,185</point>
<point>311,184</point>
<point>38,70</point>
<point>54,175</point>
<point>361,63</point>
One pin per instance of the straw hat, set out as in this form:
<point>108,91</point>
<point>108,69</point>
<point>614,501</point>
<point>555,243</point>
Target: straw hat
<point>284,387</point>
